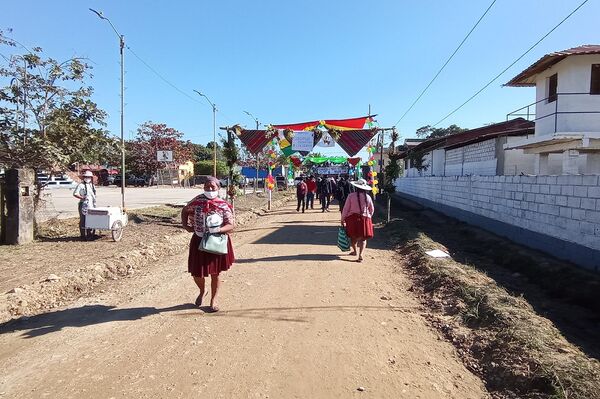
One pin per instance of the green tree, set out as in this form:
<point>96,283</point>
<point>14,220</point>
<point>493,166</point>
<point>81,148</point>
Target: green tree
<point>152,137</point>
<point>206,168</point>
<point>429,132</point>
<point>47,117</point>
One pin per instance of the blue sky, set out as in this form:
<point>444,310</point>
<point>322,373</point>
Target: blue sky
<point>293,61</point>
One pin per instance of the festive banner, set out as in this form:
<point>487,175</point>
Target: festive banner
<point>352,141</point>
<point>303,141</point>
<point>255,140</point>
<point>320,160</point>
<point>297,162</point>
<point>299,126</point>
<point>332,170</point>
<point>326,141</point>
<point>285,147</point>
<point>339,124</point>
<point>354,161</point>
<point>348,124</point>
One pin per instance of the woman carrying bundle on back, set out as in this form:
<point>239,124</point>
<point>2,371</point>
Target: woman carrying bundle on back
<point>356,217</point>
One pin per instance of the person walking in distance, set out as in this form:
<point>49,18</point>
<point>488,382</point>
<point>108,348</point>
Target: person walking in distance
<point>311,186</point>
<point>356,217</point>
<point>301,191</point>
<point>195,217</point>
<point>86,193</point>
<point>325,190</point>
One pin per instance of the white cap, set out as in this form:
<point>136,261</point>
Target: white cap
<point>88,173</point>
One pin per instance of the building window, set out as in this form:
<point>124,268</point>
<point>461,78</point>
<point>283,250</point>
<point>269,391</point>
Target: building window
<point>595,81</point>
<point>552,85</point>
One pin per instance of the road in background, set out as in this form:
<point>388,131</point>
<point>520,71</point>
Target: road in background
<point>61,203</point>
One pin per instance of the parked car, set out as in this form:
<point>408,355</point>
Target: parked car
<point>281,183</point>
<point>131,180</point>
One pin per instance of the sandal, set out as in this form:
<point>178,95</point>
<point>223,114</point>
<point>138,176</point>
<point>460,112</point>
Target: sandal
<point>353,253</point>
<point>213,309</point>
<point>359,260</point>
<point>198,301</point>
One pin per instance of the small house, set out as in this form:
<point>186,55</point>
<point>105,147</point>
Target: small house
<point>566,111</point>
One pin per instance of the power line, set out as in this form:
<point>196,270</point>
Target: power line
<point>160,76</point>
<point>171,84</point>
<point>446,63</point>
<point>511,65</point>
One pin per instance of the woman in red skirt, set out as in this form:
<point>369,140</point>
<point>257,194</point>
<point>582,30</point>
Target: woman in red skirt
<point>356,217</point>
<point>193,218</point>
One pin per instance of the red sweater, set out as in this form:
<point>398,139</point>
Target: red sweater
<point>312,186</point>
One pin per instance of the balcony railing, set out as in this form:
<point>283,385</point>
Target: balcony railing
<point>529,113</point>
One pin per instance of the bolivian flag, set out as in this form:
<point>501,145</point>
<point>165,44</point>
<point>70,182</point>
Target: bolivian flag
<point>285,146</point>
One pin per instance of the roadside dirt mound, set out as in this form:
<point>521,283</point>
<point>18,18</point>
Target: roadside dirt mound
<point>498,335</point>
<point>58,268</point>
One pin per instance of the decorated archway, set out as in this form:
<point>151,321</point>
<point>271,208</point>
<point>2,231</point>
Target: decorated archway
<point>297,140</point>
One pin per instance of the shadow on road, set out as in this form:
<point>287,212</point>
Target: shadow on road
<point>275,313</point>
<point>296,258</point>
<point>301,234</point>
<point>46,323</point>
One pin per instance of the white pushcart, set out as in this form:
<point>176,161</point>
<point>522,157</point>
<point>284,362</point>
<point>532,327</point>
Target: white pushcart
<point>107,218</point>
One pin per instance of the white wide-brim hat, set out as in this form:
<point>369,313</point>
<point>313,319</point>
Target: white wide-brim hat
<point>362,184</point>
<point>87,173</point>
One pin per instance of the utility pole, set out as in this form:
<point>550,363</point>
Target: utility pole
<point>214,109</point>
<point>257,154</point>
<point>121,49</point>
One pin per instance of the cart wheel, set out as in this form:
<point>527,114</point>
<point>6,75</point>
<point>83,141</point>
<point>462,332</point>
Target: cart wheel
<point>117,230</point>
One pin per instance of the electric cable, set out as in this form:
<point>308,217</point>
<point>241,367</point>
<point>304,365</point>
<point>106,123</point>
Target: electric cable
<point>446,63</point>
<point>513,63</point>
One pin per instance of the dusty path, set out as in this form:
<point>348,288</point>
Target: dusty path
<point>298,321</point>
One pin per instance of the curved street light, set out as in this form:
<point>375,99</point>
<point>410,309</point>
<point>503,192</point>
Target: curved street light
<point>121,46</point>
<point>258,153</point>
<point>214,109</point>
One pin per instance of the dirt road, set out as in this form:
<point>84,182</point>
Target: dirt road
<point>297,321</point>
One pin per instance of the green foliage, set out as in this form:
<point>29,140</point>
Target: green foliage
<point>393,169</point>
<point>206,168</point>
<point>430,132</point>
<point>47,119</point>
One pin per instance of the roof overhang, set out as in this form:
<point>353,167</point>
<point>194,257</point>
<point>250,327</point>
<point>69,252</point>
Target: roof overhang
<point>557,143</point>
<point>528,77</point>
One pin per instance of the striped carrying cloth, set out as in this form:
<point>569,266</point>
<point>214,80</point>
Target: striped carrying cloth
<point>343,242</point>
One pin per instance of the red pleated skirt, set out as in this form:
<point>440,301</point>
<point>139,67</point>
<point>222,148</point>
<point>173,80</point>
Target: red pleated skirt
<point>203,264</point>
<point>359,227</point>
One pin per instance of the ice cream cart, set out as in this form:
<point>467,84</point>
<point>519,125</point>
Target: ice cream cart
<point>107,218</point>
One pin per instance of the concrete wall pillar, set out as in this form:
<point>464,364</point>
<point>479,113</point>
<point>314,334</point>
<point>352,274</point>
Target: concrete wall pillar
<point>570,162</point>
<point>19,206</point>
<point>541,164</point>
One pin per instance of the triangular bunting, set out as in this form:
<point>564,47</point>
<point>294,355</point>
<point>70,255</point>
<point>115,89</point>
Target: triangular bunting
<point>255,140</point>
<point>352,141</point>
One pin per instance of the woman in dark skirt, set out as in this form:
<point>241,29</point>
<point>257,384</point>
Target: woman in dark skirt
<point>193,218</point>
<point>356,217</point>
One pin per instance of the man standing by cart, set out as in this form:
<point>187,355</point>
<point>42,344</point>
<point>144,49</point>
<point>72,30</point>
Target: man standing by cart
<point>86,193</point>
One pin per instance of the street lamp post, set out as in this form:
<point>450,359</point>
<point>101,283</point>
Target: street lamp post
<point>257,154</point>
<point>121,47</point>
<point>214,109</point>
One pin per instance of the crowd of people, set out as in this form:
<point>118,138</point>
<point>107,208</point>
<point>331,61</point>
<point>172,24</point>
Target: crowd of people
<point>324,189</point>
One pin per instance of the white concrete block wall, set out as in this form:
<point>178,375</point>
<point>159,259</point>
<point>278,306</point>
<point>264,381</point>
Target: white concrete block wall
<point>473,159</point>
<point>563,207</point>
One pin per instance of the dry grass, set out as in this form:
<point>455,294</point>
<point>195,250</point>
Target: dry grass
<point>518,353</point>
